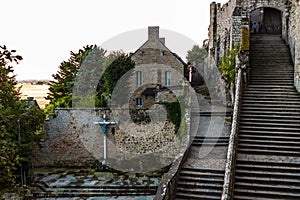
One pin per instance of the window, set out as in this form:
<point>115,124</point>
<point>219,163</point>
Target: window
<point>138,78</point>
<point>167,78</point>
<point>138,102</point>
<point>162,53</point>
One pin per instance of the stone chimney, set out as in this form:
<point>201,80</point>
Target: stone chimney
<point>153,33</point>
<point>162,40</point>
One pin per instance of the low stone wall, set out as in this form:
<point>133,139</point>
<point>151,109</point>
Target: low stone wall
<point>63,142</point>
<point>149,140</point>
<point>74,140</point>
<point>231,154</point>
<point>168,184</point>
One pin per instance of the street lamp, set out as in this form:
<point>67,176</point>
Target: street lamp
<point>19,139</point>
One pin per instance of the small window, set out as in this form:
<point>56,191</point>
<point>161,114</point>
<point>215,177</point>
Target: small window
<point>138,78</point>
<point>167,78</point>
<point>162,53</point>
<point>138,102</point>
<point>143,53</point>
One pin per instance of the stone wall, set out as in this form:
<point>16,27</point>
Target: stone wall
<point>74,140</point>
<point>63,144</point>
<point>294,39</point>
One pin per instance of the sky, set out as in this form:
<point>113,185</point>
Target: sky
<point>44,32</point>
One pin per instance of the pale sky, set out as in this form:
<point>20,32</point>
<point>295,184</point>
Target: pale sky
<point>44,32</point>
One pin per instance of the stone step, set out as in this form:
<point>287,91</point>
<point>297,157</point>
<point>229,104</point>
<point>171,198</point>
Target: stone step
<point>283,60</point>
<point>264,187</point>
<point>203,171</point>
<point>267,180</point>
<point>268,152</point>
<point>249,99</point>
<point>263,195</point>
<point>266,70</point>
<point>270,125</point>
<point>271,114</point>
<point>284,74</point>
<point>269,120</point>
<point>269,146</point>
<point>269,142</point>
<point>199,185</point>
<point>244,137</point>
<point>273,103</point>
<point>210,141</point>
<point>271,92</point>
<point>269,55</point>
<point>200,191</point>
<point>267,172</point>
<point>194,179</point>
<point>277,84</point>
<point>183,195</point>
<point>270,78</point>
<point>269,133</point>
<point>269,128</point>
<point>206,144</point>
<point>264,87</point>
<point>268,116</point>
<point>272,107</point>
<point>287,165</point>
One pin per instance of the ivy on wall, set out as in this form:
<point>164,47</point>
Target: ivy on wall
<point>227,66</point>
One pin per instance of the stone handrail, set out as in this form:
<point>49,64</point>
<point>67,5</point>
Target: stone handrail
<point>168,184</point>
<point>231,154</point>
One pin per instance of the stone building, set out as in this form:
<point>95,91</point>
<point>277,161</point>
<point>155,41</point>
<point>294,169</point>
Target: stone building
<point>157,72</point>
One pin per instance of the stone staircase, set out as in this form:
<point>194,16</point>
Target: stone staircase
<point>202,175</point>
<point>268,158</point>
<point>200,183</point>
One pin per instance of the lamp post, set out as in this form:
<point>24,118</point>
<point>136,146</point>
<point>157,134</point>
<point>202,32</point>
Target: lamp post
<point>104,125</point>
<point>19,139</point>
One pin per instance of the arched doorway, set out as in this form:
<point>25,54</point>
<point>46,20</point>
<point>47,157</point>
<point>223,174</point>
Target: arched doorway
<point>269,18</point>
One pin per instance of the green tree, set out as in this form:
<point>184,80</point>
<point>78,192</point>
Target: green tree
<point>116,70</point>
<point>90,58</point>
<point>20,123</point>
<point>61,87</point>
<point>196,55</point>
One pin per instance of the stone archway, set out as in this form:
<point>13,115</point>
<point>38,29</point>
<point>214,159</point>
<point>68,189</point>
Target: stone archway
<point>271,19</point>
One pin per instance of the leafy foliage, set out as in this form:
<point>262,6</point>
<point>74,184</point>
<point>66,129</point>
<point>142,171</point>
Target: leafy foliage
<point>116,70</point>
<point>196,55</point>
<point>63,83</point>
<point>227,66</point>
<point>174,113</point>
<point>90,58</point>
<point>8,160</point>
<point>20,123</point>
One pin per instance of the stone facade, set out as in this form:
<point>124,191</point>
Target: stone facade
<point>157,67</point>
